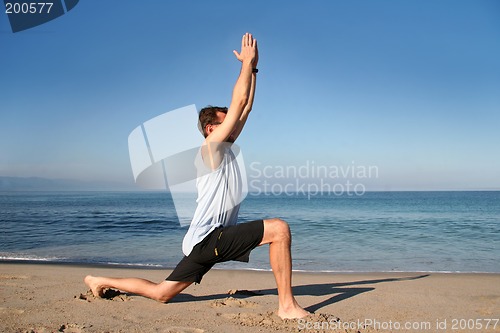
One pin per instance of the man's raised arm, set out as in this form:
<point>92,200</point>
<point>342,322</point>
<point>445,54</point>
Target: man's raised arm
<point>241,91</point>
<point>248,107</point>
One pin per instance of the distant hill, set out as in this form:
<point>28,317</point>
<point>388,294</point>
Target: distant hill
<point>45,184</point>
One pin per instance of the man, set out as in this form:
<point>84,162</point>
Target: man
<point>213,235</point>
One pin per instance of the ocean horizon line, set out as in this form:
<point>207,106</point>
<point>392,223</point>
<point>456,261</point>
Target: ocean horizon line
<point>324,193</point>
<point>42,184</point>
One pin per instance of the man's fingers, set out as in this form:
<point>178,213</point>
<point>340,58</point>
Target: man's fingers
<point>247,42</point>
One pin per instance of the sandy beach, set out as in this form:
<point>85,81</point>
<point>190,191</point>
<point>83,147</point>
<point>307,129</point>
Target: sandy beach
<point>53,298</point>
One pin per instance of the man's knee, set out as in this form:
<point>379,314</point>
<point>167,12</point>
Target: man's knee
<point>167,290</point>
<point>163,298</point>
<point>280,229</point>
<point>162,294</point>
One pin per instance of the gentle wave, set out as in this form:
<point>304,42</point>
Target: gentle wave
<point>158,266</point>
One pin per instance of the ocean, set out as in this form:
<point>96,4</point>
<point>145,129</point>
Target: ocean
<point>377,231</point>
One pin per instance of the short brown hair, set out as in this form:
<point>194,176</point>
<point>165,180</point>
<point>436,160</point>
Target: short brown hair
<point>208,115</point>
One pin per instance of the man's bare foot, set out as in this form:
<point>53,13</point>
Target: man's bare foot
<point>93,283</point>
<point>294,312</point>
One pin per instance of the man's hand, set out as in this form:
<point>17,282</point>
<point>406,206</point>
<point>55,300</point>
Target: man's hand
<point>249,53</point>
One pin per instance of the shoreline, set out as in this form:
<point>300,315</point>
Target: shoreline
<point>52,297</point>
<point>160,267</point>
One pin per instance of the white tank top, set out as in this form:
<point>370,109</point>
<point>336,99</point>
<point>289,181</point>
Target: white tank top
<point>219,197</point>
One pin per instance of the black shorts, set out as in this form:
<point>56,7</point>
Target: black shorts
<point>223,244</point>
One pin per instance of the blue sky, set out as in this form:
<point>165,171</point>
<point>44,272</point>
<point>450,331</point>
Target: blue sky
<point>412,87</point>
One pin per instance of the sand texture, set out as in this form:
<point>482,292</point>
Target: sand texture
<point>53,298</point>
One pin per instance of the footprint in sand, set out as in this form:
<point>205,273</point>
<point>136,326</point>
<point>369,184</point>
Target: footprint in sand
<point>270,320</point>
<point>109,294</point>
<point>66,328</point>
<point>71,328</point>
<point>233,302</point>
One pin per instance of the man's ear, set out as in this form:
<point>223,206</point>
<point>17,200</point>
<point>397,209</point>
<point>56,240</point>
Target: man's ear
<point>208,129</point>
